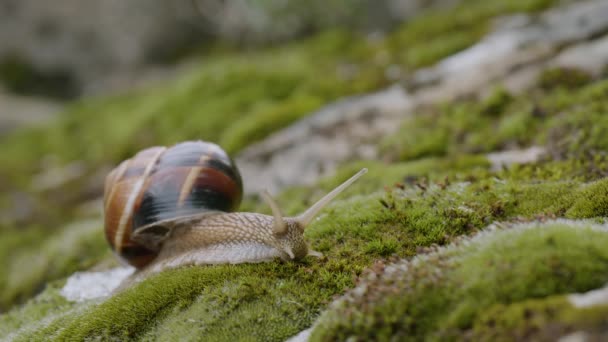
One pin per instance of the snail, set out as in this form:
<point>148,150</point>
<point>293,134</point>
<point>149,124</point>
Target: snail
<point>173,206</point>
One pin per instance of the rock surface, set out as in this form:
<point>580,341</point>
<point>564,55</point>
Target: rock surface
<point>316,145</point>
<point>97,46</point>
<point>17,111</point>
<point>82,286</point>
<point>516,52</point>
<point>507,158</point>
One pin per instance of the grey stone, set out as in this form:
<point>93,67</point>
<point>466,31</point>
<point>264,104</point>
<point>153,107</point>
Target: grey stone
<point>513,55</point>
<point>515,43</point>
<point>511,157</point>
<point>18,111</point>
<point>589,56</point>
<point>315,145</point>
<point>103,43</point>
<point>590,298</point>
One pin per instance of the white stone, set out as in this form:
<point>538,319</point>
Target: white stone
<point>590,298</point>
<point>82,286</point>
<point>511,157</point>
<point>303,336</point>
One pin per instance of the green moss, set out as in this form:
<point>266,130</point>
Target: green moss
<point>570,169</point>
<point>29,259</point>
<point>262,90</point>
<point>538,319</point>
<point>380,176</point>
<point>570,123</point>
<point>469,127</point>
<point>593,201</point>
<point>273,301</point>
<point>438,34</point>
<point>267,120</point>
<point>34,315</point>
<point>22,77</point>
<point>352,233</point>
<point>569,78</point>
<point>442,295</point>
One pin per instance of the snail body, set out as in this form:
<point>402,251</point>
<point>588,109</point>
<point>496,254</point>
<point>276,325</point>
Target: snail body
<point>170,207</point>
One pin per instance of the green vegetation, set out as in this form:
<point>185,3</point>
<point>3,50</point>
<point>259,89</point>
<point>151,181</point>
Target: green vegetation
<point>30,258</point>
<point>276,300</point>
<point>233,98</point>
<point>542,319</point>
<point>237,98</point>
<point>483,285</point>
<point>569,78</point>
<point>49,305</point>
<point>22,78</point>
<point>501,121</point>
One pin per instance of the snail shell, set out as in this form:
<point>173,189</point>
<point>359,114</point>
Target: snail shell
<point>160,184</point>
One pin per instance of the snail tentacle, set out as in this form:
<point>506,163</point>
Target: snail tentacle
<point>280,227</point>
<point>306,217</point>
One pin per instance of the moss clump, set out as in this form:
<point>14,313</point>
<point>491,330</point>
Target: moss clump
<point>218,302</point>
<point>20,77</point>
<point>466,127</point>
<point>442,295</point>
<point>29,260</point>
<point>570,123</point>
<point>276,299</point>
<point>568,78</point>
<point>538,319</point>
<point>428,38</point>
<point>45,307</point>
<point>592,201</point>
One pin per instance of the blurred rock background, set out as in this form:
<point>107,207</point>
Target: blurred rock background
<point>67,49</point>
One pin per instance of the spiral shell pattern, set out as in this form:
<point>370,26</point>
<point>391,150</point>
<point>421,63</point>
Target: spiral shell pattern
<point>160,184</point>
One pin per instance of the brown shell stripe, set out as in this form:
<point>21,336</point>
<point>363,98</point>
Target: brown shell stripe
<point>128,210</point>
<point>115,175</point>
<point>190,179</point>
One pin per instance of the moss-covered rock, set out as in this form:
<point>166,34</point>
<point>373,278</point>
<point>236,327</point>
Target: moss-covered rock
<point>262,89</point>
<point>230,97</point>
<point>30,259</point>
<point>276,299</point>
<point>569,78</point>
<point>539,319</point>
<point>568,121</point>
<point>484,282</point>
<point>433,187</point>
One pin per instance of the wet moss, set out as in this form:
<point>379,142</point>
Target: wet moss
<point>441,296</point>
<point>20,76</point>
<point>426,39</point>
<point>539,319</point>
<point>592,201</point>
<point>569,123</point>
<point>29,259</point>
<point>39,311</point>
<point>352,233</point>
<point>569,78</point>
